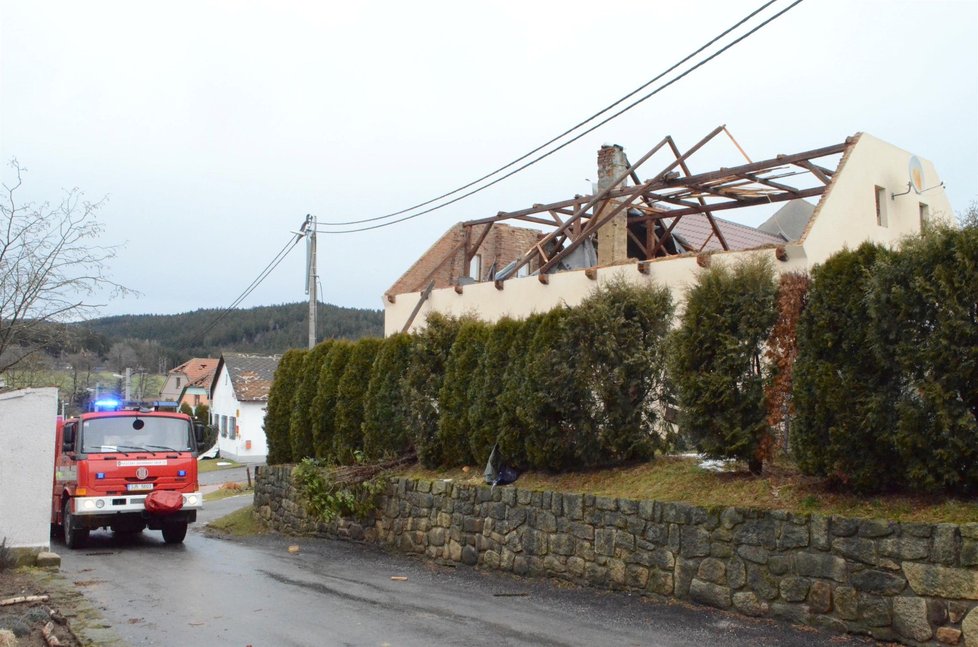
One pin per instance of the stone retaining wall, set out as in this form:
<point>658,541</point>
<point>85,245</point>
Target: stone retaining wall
<point>915,583</point>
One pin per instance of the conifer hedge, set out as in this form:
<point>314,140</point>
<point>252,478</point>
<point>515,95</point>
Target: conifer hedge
<point>716,361</point>
<point>842,394</point>
<point>350,393</point>
<point>278,413</point>
<point>385,420</point>
<point>923,302</point>
<point>301,423</point>
<point>455,425</point>
<point>323,405</point>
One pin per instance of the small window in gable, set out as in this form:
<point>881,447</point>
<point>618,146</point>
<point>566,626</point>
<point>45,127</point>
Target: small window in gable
<point>924,214</point>
<point>475,267</point>
<point>881,218</point>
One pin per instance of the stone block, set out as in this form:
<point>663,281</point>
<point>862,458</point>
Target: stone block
<point>712,570</point>
<point>941,581</point>
<point>720,549</point>
<point>948,636</point>
<point>779,564</point>
<point>657,533</point>
<point>731,517</point>
<point>575,565</point>
<point>947,539</point>
<point>878,582</point>
<point>562,544</point>
<point>545,521</point>
<point>843,527</point>
<point>490,559</point>
<point>606,503</point>
<point>905,547</point>
<point>761,582</point>
<point>794,589</point>
<point>755,554</point>
<point>820,597</point>
<point>596,574</point>
<point>636,576</point>
<point>969,530</point>
<point>936,612</point>
<point>821,566</point>
<point>711,594</point>
<point>553,565</point>
<point>846,602</point>
<point>875,528</point>
<point>875,611</point>
<point>749,604</point>
<point>820,532</point>
<point>969,552</point>
<point>757,532</point>
<point>47,559</point>
<point>557,504</point>
<point>910,618</point>
<point>616,571</point>
<point>856,548</point>
<point>736,573</point>
<point>521,565</point>
<point>694,542</point>
<point>676,513</point>
<point>969,628</point>
<point>661,582</point>
<point>793,613</point>
<point>646,510</point>
<point>604,542</point>
<point>792,536</point>
<point>956,611</point>
<point>684,572</point>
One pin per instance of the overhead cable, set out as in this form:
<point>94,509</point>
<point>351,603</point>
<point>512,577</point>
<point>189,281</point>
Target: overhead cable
<point>570,130</point>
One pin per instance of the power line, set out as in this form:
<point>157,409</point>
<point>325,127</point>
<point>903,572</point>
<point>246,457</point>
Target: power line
<point>279,257</point>
<point>572,129</point>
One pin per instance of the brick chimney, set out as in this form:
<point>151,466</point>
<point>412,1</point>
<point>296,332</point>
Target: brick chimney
<point>613,236</point>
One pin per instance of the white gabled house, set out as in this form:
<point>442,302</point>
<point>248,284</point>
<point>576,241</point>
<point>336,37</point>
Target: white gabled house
<point>239,396</point>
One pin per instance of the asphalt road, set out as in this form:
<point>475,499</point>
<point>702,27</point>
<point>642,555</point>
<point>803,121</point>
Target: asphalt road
<point>212,591</point>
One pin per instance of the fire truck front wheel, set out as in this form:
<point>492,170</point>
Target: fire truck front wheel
<point>74,537</point>
<point>174,532</point>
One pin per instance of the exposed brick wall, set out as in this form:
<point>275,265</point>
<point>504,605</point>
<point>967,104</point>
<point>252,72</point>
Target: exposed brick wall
<point>503,245</point>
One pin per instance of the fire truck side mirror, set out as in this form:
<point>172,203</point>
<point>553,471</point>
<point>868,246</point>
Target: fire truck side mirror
<point>68,439</point>
<point>199,432</point>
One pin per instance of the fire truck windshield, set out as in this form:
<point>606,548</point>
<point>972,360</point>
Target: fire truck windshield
<point>131,433</point>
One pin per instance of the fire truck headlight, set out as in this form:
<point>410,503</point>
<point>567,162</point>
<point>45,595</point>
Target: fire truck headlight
<point>191,499</point>
<point>100,504</point>
<point>88,505</point>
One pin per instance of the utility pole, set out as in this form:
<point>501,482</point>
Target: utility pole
<point>309,228</point>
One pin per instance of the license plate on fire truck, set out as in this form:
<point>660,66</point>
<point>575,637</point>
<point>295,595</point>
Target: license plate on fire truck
<point>139,486</point>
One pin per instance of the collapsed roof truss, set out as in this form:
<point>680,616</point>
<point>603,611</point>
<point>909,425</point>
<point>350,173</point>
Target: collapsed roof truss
<point>656,205</point>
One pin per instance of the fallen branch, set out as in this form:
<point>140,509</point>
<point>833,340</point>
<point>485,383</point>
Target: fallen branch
<point>20,599</point>
<point>49,637</point>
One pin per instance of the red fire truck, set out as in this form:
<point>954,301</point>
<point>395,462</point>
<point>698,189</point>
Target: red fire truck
<point>126,470</point>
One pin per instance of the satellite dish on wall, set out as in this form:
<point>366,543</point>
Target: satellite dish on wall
<point>916,174</point>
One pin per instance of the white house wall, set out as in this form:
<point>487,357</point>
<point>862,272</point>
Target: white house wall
<point>522,297</point>
<point>846,215</point>
<point>250,420</point>
<point>28,421</point>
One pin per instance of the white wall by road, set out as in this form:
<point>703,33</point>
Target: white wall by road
<point>28,419</point>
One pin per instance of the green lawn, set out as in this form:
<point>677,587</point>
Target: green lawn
<point>211,465</point>
<point>239,523</point>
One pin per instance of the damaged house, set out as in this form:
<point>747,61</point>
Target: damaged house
<point>658,219</point>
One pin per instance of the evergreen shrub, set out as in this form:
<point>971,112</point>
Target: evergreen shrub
<point>455,426</point>
<point>278,413</point>
<point>350,393</point>
<point>323,411</point>
<point>385,418</point>
<point>716,362</point>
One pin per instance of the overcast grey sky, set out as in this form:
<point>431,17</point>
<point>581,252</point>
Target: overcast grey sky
<point>214,127</point>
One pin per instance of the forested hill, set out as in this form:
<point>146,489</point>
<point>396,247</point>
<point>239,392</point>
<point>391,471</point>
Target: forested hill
<point>264,329</point>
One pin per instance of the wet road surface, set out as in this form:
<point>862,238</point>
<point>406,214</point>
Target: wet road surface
<point>212,591</point>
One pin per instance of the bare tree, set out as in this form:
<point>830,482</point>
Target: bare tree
<point>51,264</point>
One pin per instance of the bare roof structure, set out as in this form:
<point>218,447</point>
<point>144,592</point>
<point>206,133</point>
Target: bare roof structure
<point>673,210</point>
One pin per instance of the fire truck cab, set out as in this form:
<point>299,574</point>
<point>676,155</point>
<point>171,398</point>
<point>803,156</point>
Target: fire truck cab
<point>126,470</point>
